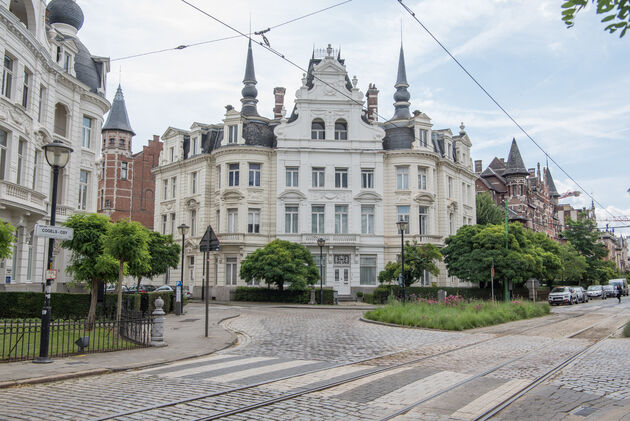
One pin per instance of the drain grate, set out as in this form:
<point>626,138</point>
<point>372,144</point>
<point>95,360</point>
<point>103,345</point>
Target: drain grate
<point>584,411</point>
<point>188,320</point>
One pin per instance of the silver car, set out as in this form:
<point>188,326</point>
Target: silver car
<point>596,291</point>
<point>582,296</point>
<point>562,295</point>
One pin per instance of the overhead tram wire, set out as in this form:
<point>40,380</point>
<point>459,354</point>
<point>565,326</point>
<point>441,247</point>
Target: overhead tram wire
<point>279,54</point>
<point>413,15</point>
<point>184,46</point>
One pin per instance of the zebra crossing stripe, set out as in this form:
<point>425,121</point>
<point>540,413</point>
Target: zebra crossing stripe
<point>489,400</point>
<point>212,367</point>
<point>210,358</point>
<point>230,377</point>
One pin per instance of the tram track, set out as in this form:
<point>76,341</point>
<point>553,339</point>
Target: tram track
<point>197,400</point>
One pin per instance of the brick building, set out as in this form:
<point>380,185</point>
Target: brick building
<point>126,186</point>
<point>531,194</point>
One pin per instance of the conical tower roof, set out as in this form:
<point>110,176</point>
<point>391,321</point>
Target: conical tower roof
<point>515,164</point>
<point>118,118</point>
<point>249,91</point>
<point>553,192</point>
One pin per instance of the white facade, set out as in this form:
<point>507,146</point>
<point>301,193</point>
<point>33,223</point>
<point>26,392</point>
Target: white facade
<point>327,171</point>
<point>44,99</point>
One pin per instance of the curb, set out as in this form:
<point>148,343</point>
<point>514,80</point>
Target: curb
<point>100,371</point>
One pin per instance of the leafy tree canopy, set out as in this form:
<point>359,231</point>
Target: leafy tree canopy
<point>469,254</point>
<point>164,254</point>
<point>418,258</point>
<point>281,262</point>
<point>487,211</point>
<point>616,13</point>
<point>574,265</point>
<point>6,239</point>
<point>584,237</point>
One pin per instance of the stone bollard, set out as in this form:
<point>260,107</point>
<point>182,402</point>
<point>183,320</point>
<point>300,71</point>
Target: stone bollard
<point>312,302</point>
<point>157,330</point>
<point>441,295</point>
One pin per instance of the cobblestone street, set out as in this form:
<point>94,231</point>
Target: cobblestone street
<point>310,364</point>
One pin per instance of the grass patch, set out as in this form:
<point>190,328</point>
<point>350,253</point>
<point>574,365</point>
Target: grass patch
<point>626,330</point>
<point>23,341</point>
<point>456,314</point>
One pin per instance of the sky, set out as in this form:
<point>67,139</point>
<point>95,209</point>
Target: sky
<point>568,88</point>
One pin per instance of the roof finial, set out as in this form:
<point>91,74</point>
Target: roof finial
<point>402,95</point>
<point>249,91</point>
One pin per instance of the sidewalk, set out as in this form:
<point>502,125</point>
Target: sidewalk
<point>184,335</point>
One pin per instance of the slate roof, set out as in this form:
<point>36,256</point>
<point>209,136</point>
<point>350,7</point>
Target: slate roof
<point>249,91</point>
<point>65,11</point>
<point>515,164</point>
<point>118,118</point>
<point>553,192</point>
<point>85,68</point>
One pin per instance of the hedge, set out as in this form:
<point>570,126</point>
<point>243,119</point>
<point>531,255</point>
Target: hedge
<point>145,302</point>
<point>382,292</point>
<point>276,296</point>
<point>16,305</point>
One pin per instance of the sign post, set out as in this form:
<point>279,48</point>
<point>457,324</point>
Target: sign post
<point>209,242</point>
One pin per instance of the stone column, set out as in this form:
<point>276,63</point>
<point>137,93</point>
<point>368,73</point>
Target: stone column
<point>157,330</point>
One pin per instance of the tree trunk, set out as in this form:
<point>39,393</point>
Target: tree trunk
<point>89,324</point>
<point>119,291</point>
<point>138,285</point>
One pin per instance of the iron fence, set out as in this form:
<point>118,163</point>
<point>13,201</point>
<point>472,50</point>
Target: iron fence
<point>20,339</point>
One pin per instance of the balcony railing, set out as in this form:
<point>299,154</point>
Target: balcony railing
<point>22,195</point>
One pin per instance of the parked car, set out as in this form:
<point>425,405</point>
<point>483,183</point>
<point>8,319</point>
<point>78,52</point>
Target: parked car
<point>622,283</point>
<point>582,296</point>
<point>596,291</point>
<point>143,288</point>
<point>562,295</point>
<point>609,290</point>
<point>165,288</point>
<point>112,288</point>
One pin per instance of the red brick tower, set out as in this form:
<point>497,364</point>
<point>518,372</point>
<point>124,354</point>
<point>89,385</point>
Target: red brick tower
<point>115,186</point>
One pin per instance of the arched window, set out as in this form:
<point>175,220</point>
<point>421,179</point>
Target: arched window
<point>61,119</point>
<point>318,129</point>
<point>341,130</point>
<point>23,10</point>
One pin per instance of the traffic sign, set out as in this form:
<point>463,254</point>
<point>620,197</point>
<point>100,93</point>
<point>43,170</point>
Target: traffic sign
<point>51,274</point>
<point>209,241</point>
<point>50,231</point>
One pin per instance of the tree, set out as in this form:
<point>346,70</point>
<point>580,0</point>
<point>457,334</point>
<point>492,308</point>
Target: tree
<point>584,236</point>
<point>470,253</point>
<point>6,239</point>
<point>89,262</point>
<point>280,262</point>
<point>573,264</point>
<point>127,242</point>
<point>418,258</point>
<point>487,211</point>
<point>164,254</point>
<point>549,253</point>
<point>617,13</point>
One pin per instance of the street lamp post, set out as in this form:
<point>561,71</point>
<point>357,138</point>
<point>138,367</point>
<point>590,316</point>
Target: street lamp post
<point>57,155</point>
<point>183,230</point>
<point>402,226</point>
<point>321,243</point>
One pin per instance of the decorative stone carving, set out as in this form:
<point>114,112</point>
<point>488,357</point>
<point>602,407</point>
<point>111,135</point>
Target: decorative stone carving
<point>157,330</point>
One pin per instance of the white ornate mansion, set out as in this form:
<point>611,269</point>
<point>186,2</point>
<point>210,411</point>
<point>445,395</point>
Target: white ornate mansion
<point>328,170</point>
<point>52,89</point>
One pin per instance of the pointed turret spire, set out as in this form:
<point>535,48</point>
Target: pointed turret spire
<point>118,118</point>
<point>249,91</point>
<point>402,95</point>
<point>515,164</point>
<point>553,192</point>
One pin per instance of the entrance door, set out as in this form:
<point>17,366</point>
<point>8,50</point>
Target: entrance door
<point>342,274</point>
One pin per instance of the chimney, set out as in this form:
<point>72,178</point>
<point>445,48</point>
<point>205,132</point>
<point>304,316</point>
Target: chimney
<point>532,172</point>
<point>478,166</point>
<point>539,171</point>
<point>278,93</point>
<point>372,102</point>
<point>156,138</point>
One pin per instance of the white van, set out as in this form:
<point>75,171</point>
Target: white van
<point>622,282</point>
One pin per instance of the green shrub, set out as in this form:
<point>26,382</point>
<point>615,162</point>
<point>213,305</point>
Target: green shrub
<point>273,295</point>
<point>368,298</point>
<point>456,315</point>
<point>17,305</point>
<point>382,293</point>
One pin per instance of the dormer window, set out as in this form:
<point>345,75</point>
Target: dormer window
<point>422,137</point>
<point>341,130</point>
<point>233,134</point>
<point>67,59</point>
<point>318,129</point>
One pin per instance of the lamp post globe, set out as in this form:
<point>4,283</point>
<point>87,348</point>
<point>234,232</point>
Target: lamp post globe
<point>57,155</point>
<point>183,230</point>
<point>321,243</point>
<point>402,227</point>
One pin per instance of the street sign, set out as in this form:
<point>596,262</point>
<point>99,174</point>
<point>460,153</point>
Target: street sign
<point>209,241</point>
<point>51,274</point>
<point>59,233</point>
